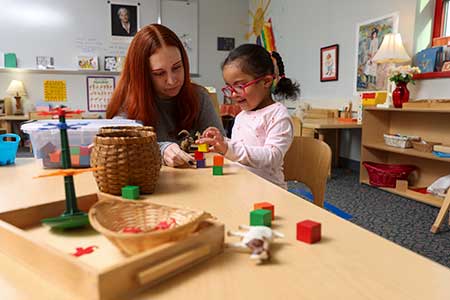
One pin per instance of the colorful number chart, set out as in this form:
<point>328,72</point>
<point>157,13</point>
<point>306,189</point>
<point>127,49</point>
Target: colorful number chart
<point>99,92</point>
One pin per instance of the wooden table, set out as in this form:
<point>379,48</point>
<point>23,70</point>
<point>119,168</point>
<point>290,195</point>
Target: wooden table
<point>7,121</point>
<point>329,130</point>
<point>349,262</point>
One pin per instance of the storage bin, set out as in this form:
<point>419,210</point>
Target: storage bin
<point>46,141</point>
<point>399,141</point>
<point>386,175</point>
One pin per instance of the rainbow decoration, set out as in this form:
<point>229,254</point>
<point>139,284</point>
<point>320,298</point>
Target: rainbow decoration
<point>267,37</point>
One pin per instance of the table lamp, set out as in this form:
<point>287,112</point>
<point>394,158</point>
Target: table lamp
<point>17,90</point>
<point>391,52</point>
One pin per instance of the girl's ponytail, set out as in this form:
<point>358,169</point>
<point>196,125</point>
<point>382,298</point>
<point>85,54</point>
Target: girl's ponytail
<point>285,87</point>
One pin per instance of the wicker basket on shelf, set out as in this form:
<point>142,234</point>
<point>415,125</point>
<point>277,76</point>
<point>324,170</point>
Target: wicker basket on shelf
<point>128,157</point>
<point>112,218</point>
<point>424,146</point>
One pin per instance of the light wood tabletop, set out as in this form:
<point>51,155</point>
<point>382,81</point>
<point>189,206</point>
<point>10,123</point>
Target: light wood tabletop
<point>329,123</point>
<point>349,262</point>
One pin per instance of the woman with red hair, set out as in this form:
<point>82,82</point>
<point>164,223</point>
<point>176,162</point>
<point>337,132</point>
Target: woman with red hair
<point>155,88</point>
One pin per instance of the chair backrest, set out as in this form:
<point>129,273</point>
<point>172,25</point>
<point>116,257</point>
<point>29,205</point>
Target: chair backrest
<point>308,160</point>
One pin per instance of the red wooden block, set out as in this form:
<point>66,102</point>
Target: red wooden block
<point>85,151</point>
<point>199,155</point>
<point>308,231</point>
<point>265,205</point>
<point>75,160</point>
<point>218,160</point>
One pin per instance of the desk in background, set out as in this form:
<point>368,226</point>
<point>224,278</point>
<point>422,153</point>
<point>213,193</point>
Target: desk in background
<point>349,263</point>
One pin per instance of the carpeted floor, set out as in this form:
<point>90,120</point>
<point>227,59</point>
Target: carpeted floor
<point>403,221</point>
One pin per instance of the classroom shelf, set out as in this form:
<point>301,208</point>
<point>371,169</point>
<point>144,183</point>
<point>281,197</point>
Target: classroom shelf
<point>408,151</point>
<point>431,75</point>
<point>58,71</point>
<point>424,198</point>
<point>417,110</point>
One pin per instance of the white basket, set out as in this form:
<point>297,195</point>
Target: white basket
<point>399,141</point>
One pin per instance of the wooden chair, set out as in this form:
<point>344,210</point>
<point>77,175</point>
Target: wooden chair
<point>308,160</point>
<point>442,214</point>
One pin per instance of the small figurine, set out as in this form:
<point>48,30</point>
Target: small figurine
<point>186,140</point>
<point>256,239</point>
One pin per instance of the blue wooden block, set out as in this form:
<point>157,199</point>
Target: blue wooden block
<point>85,160</point>
<point>201,163</point>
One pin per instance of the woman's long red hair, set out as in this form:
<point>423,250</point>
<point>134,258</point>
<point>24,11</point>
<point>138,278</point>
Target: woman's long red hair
<point>134,94</point>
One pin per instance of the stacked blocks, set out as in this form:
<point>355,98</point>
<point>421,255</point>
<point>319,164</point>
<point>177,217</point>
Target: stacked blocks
<point>79,156</point>
<point>218,165</point>
<point>308,231</point>
<point>202,147</point>
<point>200,159</point>
<point>265,205</point>
<point>130,192</point>
<point>261,217</point>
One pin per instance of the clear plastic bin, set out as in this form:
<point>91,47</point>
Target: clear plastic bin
<point>46,141</point>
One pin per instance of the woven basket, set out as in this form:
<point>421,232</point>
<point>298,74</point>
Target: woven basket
<point>109,129</point>
<point>111,216</point>
<point>128,157</point>
<point>424,146</point>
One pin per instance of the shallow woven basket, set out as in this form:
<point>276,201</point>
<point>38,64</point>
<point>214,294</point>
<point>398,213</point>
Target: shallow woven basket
<point>111,216</point>
<point>424,146</point>
<point>128,157</point>
<point>126,128</point>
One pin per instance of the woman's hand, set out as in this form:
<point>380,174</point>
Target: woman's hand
<point>173,156</point>
<point>214,138</point>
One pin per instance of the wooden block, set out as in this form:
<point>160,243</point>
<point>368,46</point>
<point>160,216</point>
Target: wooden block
<point>203,147</point>
<point>198,155</point>
<point>75,150</point>
<point>308,231</point>
<point>47,149</point>
<point>217,170</point>
<point>261,217</point>
<point>55,156</point>
<point>130,192</point>
<point>218,160</point>
<point>265,205</point>
<point>401,185</point>
<point>85,161</point>
<point>85,151</point>
<point>75,160</point>
<point>201,163</point>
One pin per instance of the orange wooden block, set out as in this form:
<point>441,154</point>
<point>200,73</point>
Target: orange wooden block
<point>265,205</point>
<point>75,159</point>
<point>218,160</point>
<point>55,156</point>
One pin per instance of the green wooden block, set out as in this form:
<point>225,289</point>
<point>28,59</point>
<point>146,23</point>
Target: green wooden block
<point>217,170</point>
<point>75,150</point>
<point>130,192</point>
<point>261,217</point>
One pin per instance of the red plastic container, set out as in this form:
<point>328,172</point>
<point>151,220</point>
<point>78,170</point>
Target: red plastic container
<point>386,175</point>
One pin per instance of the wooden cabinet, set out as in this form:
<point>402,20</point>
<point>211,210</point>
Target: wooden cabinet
<point>430,124</point>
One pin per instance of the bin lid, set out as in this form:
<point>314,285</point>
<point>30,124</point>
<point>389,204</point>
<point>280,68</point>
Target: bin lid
<point>77,124</point>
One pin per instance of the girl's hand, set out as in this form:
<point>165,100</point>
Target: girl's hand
<point>173,156</point>
<point>214,138</point>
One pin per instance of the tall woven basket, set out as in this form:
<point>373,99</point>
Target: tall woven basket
<point>128,156</point>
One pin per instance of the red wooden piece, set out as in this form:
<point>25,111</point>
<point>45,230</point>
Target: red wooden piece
<point>82,251</point>
<point>131,230</point>
<point>198,155</point>
<point>308,231</point>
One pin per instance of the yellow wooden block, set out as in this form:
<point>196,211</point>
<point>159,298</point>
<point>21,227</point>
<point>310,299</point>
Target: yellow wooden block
<point>202,147</point>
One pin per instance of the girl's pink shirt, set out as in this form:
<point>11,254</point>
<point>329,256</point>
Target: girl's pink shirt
<point>260,139</point>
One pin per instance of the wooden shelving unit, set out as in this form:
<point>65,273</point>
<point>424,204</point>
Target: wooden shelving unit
<point>58,71</point>
<point>431,75</point>
<point>430,124</point>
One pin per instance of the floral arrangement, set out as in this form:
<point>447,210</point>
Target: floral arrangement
<point>403,74</point>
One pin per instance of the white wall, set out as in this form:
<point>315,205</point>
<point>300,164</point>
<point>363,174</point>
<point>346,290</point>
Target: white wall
<point>302,27</point>
<point>216,18</point>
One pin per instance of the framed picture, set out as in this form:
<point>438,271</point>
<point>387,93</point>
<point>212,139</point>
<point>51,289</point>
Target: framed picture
<point>99,92</point>
<point>371,76</point>
<point>446,66</point>
<point>329,63</point>
<point>124,19</point>
<point>225,43</point>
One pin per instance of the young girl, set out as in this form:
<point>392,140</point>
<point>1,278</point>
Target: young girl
<point>263,131</point>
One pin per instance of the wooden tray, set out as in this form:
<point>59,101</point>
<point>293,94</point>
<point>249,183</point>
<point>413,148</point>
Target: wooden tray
<point>106,273</point>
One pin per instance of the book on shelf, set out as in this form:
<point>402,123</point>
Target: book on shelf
<point>10,60</point>
<point>87,62</point>
<point>442,148</point>
<point>114,63</point>
<point>44,62</point>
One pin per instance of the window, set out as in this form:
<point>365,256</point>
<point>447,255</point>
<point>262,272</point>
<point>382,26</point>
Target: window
<point>441,18</point>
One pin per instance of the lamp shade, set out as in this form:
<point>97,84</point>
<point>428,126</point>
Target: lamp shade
<point>391,50</point>
<point>16,88</point>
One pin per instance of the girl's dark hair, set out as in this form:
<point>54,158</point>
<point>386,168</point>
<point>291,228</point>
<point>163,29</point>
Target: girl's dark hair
<point>256,61</point>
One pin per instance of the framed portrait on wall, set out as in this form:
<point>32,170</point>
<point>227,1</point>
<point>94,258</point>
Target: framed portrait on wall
<point>99,92</point>
<point>329,63</point>
<point>124,21</point>
<point>371,76</point>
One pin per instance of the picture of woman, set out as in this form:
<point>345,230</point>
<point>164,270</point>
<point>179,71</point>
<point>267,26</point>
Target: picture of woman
<point>123,20</point>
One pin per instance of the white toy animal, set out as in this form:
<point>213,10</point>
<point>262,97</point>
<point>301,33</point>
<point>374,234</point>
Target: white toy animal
<point>256,239</point>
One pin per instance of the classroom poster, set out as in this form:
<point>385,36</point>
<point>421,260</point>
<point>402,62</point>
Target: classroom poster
<point>55,90</point>
<point>99,92</point>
